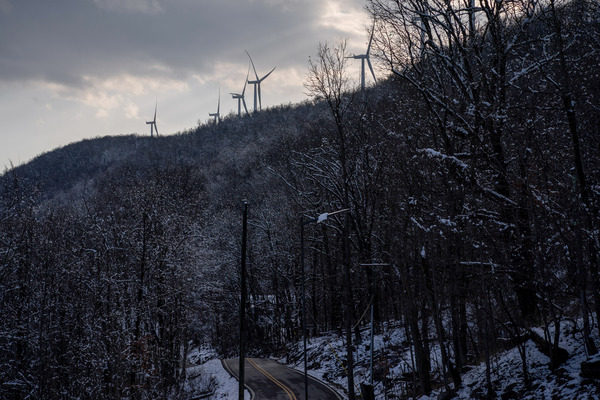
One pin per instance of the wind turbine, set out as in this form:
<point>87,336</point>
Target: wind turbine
<point>153,122</point>
<point>257,83</point>
<point>362,58</point>
<point>217,115</point>
<point>240,97</point>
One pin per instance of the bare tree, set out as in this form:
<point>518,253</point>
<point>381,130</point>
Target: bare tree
<point>327,79</point>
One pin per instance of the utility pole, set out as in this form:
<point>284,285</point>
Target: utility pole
<point>302,223</point>
<point>368,391</point>
<point>243,304</point>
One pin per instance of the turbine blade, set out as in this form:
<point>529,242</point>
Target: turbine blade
<point>156,128</point>
<point>265,77</point>
<point>245,108</point>
<point>371,68</point>
<point>253,67</point>
<point>246,81</point>
<point>371,39</point>
<point>155,107</point>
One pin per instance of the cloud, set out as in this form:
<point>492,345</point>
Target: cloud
<point>343,17</point>
<point>290,77</point>
<point>101,101</point>
<point>109,60</point>
<point>227,74</point>
<point>5,7</point>
<point>105,95</point>
<point>130,6</point>
<point>132,111</point>
<point>139,85</point>
<point>180,38</point>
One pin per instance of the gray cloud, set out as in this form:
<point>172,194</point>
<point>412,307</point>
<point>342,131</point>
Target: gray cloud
<point>61,41</point>
<point>5,7</point>
<point>130,6</point>
<point>65,63</point>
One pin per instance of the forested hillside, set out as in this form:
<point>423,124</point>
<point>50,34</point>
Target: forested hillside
<point>471,178</point>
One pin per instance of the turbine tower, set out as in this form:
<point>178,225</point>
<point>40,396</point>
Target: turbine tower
<point>240,97</point>
<point>217,115</point>
<point>257,83</point>
<point>367,57</point>
<point>153,122</point>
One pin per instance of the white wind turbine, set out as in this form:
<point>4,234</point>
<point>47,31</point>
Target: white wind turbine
<point>217,115</point>
<point>153,122</point>
<point>240,97</point>
<point>367,57</point>
<point>257,83</point>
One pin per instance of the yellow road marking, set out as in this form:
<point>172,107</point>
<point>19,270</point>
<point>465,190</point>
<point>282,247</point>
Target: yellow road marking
<point>287,390</point>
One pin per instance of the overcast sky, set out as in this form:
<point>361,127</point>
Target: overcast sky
<point>75,69</point>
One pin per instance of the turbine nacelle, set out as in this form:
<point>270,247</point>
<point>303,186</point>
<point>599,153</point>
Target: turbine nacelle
<point>256,83</point>
<point>152,123</point>
<point>363,58</point>
<point>240,97</point>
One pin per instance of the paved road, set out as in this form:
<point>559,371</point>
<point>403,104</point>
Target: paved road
<point>269,380</point>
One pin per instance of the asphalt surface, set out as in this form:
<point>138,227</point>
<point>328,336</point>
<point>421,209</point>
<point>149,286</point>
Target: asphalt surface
<point>269,380</point>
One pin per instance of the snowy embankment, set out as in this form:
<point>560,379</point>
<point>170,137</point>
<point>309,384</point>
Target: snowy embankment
<point>393,362</point>
<point>207,379</point>
<point>393,365</point>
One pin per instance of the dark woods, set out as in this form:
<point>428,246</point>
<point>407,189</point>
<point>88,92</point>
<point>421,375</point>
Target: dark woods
<point>471,175</point>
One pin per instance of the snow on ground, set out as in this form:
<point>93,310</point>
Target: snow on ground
<point>327,359</point>
<point>393,363</point>
<point>207,376</point>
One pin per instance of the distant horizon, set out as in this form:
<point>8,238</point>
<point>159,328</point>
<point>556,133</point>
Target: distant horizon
<point>231,115</point>
<point>61,82</point>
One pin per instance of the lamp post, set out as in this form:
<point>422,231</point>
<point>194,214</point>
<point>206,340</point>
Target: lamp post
<point>303,222</point>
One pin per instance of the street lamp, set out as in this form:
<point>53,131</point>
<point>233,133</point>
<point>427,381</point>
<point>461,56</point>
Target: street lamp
<point>317,220</point>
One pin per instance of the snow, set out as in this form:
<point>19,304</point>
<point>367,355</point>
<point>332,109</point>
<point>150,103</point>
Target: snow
<point>209,375</point>
<point>434,153</point>
<point>447,222</point>
<point>227,387</point>
<point>326,353</point>
<point>500,196</point>
<point>322,217</point>
<point>563,383</point>
<point>418,224</point>
<point>393,361</point>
